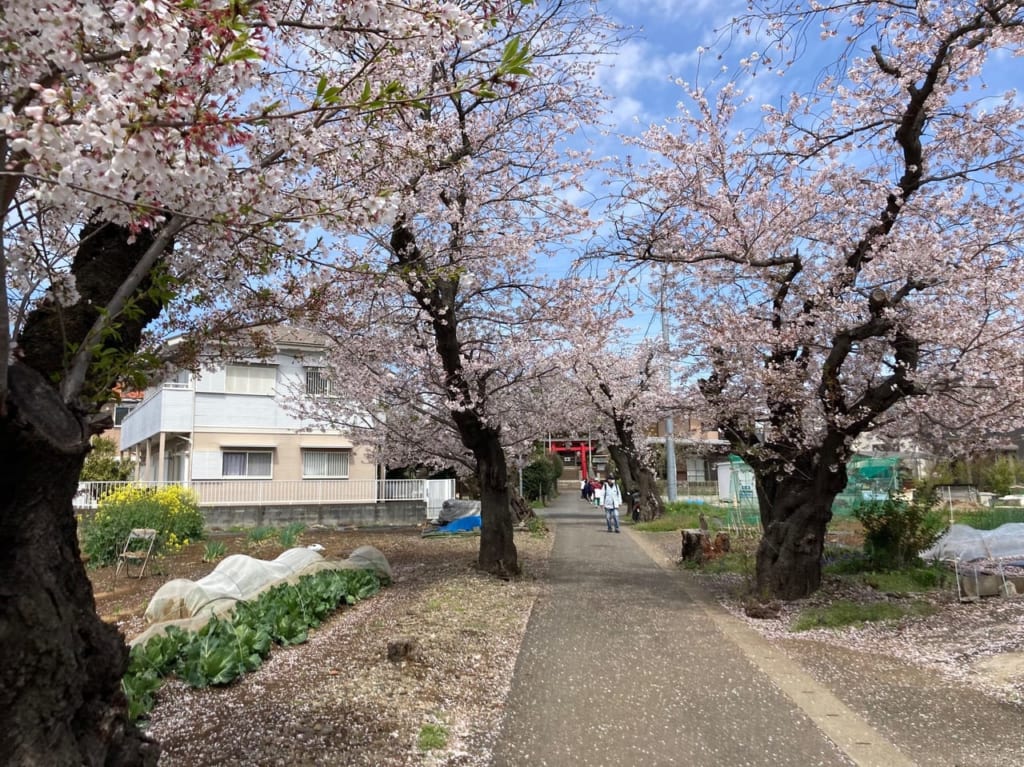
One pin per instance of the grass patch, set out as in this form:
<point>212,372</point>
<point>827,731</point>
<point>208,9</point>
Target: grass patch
<point>289,536</point>
<point>910,581</point>
<point>841,560</point>
<point>738,562</point>
<point>432,737</point>
<point>846,562</point>
<point>214,551</point>
<point>536,526</point>
<point>681,515</point>
<point>846,613</point>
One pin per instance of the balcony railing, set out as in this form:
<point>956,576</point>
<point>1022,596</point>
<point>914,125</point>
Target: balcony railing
<point>242,492</point>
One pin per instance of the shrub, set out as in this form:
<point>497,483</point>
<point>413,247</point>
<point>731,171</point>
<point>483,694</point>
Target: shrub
<point>173,511</point>
<point>896,531</point>
<point>1001,475</point>
<point>103,464</point>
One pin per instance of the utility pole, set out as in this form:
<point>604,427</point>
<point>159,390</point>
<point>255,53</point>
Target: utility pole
<point>670,440</point>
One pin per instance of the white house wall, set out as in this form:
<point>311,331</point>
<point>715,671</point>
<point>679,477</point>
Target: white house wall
<point>212,381</point>
<point>240,411</point>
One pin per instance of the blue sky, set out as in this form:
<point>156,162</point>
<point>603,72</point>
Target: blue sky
<point>662,42</point>
<point>664,37</point>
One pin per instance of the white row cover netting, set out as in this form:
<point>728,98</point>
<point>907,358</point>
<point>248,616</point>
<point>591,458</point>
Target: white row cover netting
<point>965,544</point>
<point>189,604</point>
<point>987,562</point>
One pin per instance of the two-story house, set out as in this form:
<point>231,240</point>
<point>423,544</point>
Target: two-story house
<point>233,423</point>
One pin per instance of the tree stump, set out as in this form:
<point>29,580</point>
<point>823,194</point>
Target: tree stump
<point>695,543</point>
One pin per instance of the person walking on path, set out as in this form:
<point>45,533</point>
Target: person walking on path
<point>610,500</point>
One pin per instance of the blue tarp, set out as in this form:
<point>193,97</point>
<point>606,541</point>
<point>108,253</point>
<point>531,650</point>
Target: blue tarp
<point>461,525</point>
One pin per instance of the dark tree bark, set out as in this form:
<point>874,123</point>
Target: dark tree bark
<point>60,676</point>
<point>635,476</point>
<point>498,553</point>
<point>796,507</point>
<point>60,679</point>
<point>103,260</point>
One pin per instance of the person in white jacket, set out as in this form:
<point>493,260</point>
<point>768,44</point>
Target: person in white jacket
<point>610,500</point>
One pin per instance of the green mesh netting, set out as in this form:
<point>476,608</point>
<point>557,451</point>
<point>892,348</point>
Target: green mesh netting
<point>869,478</point>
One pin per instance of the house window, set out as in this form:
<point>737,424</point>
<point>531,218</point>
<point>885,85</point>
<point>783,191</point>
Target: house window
<point>325,464</point>
<point>317,382</point>
<point>122,410</point>
<point>695,470</point>
<point>250,379</point>
<point>247,463</point>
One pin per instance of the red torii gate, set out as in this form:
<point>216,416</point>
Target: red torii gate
<point>582,447</point>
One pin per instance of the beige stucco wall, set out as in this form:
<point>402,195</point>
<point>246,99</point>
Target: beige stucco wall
<point>287,450</point>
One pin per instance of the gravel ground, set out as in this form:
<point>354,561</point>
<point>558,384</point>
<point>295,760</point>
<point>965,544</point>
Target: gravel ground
<point>338,700</point>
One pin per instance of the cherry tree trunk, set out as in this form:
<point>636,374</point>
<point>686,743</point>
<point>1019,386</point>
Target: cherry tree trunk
<point>796,507</point>
<point>637,477</point>
<point>60,675</point>
<point>498,553</point>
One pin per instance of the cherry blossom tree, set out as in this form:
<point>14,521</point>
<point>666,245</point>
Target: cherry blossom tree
<point>440,311</point>
<point>620,387</point>
<point>159,158</point>
<point>851,260</point>
<point>621,397</point>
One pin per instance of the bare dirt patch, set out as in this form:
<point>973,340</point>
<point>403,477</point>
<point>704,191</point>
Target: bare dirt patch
<point>338,699</point>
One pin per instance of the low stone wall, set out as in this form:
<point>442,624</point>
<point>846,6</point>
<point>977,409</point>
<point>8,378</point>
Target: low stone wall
<point>336,516</point>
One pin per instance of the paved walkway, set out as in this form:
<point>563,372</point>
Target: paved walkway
<point>626,663</point>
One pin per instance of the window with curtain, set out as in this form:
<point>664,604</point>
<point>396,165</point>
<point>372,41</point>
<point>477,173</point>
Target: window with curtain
<point>250,379</point>
<point>247,463</point>
<point>695,471</point>
<point>325,464</point>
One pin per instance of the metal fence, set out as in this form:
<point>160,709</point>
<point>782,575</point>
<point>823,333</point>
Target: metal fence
<point>244,492</point>
<point>697,488</point>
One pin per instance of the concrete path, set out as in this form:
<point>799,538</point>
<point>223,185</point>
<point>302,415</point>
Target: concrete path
<point>626,663</point>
